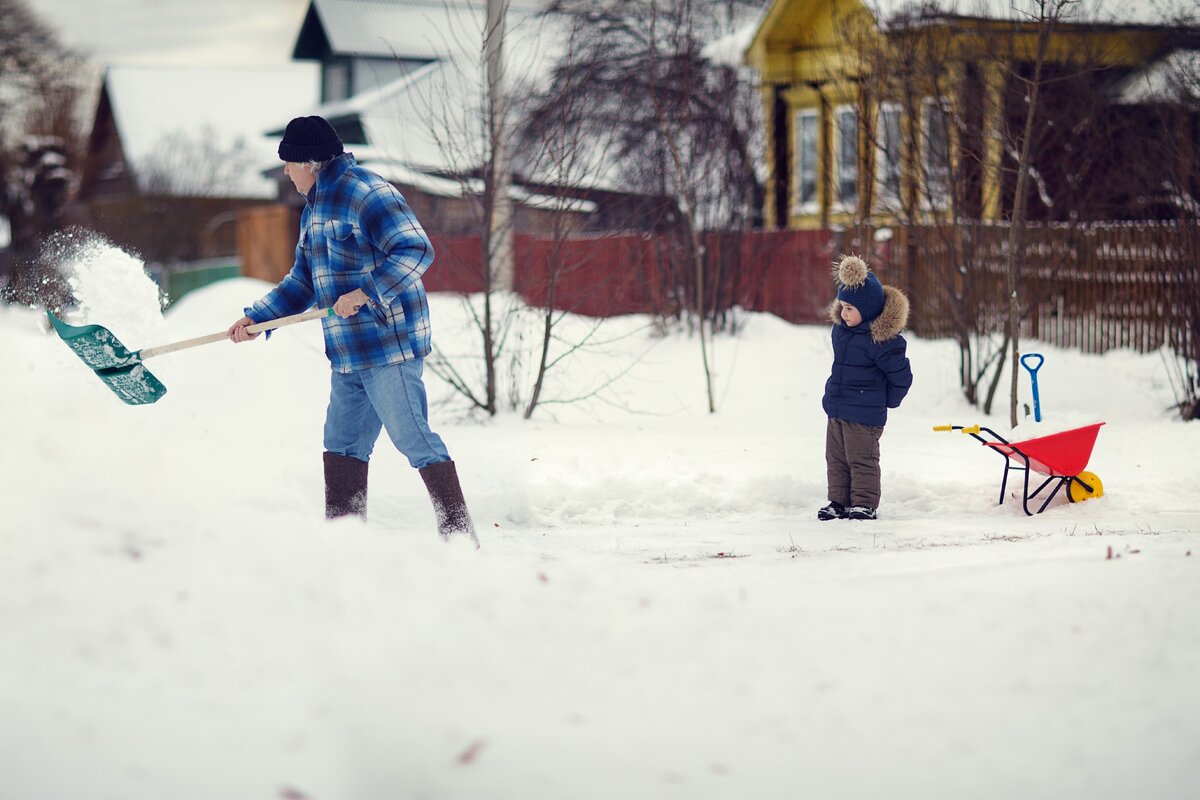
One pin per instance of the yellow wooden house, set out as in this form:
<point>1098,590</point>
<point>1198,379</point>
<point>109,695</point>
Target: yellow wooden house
<point>915,116</point>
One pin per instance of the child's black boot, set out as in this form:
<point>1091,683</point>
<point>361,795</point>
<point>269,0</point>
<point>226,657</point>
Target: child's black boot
<point>860,512</point>
<point>832,511</point>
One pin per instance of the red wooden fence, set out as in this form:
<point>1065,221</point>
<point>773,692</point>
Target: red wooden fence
<point>787,273</point>
<point>1093,287</point>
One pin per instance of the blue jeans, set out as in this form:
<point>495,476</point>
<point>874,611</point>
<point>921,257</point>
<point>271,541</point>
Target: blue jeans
<point>391,397</point>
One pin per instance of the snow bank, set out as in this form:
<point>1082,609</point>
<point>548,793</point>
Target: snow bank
<point>655,610</point>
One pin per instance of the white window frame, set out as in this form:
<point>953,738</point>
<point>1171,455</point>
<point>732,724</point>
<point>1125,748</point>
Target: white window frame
<point>889,156</point>
<point>845,200</point>
<point>800,204</point>
<point>929,197</point>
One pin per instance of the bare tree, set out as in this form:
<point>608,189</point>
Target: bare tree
<point>956,135</point>
<point>39,140</point>
<point>1175,98</point>
<point>556,150</point>
<point>1046,14</point>
<point>682,126</point>
<point>646,60</point>
<point>195,164</point>
<point>922,106</point>
<point>474,137</point>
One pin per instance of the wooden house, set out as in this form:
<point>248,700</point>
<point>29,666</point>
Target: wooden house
<point>885,112</point>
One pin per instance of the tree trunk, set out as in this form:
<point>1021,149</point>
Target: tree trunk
<point>1016,228</point>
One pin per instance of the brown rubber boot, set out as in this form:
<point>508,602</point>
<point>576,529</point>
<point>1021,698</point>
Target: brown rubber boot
<point>345,486</point>
<point>441,480</point>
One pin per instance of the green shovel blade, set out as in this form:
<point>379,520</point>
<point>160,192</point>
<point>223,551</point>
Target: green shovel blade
<point>133,383</point>
<point>98,348</point>
<point>120,369</point>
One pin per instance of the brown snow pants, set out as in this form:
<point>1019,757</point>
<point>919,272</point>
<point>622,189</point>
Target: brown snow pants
<point>852,463</point>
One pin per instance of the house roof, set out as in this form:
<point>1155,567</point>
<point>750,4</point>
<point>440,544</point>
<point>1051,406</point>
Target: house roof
<point>1166,80</point>
<point>1120,12</point>
<point>730,49</point>
<point>783,17</point>
<point>431,119</point>
<point>229,107</point>
<point>422,30</point>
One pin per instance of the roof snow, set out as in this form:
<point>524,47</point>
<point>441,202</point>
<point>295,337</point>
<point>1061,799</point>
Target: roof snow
<point>431,119</point>
<point>1127,12</point>
<point>730,49</point>
<point>410,29</point>
<point>228,107</point>
<point>1167,80</point>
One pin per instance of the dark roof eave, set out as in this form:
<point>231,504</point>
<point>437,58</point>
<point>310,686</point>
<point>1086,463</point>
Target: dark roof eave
<point>312,43</point>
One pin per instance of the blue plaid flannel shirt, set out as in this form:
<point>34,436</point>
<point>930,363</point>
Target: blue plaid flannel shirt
<point>357,232</point>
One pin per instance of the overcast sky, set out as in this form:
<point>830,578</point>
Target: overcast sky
<point>228,32</point>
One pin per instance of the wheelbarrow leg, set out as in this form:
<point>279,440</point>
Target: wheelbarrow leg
<point>1025,496</point>
<point>1010,467</point>
<point>1059,485</point>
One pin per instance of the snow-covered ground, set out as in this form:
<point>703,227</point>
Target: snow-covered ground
<point>655,611</point>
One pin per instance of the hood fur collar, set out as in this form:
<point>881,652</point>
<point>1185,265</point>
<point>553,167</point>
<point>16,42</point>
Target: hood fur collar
<point>891,320</point>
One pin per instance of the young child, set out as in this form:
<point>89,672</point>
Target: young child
<point>870,374</point>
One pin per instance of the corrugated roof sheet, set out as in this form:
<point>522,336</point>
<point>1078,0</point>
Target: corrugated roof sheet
<point>415,29</point>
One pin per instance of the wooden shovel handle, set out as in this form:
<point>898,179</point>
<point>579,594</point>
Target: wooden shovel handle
<point>269,325</point>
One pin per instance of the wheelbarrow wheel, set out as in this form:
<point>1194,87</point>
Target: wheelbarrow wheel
<point>1091,481</point>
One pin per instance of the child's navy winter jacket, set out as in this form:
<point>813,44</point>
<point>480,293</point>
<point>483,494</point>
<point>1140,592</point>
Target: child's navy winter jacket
<point>870,372</point>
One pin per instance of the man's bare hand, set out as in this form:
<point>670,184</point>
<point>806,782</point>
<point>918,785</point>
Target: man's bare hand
<point>348,304</point>
<point>237,331</point>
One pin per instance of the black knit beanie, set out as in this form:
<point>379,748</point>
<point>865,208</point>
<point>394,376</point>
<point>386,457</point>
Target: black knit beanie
<point>309,139</point>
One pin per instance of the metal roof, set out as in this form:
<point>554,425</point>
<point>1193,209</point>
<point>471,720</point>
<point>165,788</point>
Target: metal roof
<point>408,29</point>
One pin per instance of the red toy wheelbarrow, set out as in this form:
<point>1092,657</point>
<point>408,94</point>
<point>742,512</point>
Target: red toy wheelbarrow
<point>1061,457</point>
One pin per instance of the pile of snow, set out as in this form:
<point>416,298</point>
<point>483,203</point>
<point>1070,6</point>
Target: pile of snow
<point>655,611</point>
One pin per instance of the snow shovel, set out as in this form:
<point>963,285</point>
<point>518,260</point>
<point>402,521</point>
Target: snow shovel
<point>1028,362</point>
<point>123,371</point>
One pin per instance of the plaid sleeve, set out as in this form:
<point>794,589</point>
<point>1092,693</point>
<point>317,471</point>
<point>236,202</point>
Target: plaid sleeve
<point>293,295</point>
<point>393,229</point>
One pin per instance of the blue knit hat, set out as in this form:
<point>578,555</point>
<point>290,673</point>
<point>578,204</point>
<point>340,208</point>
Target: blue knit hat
<point>858,286</point>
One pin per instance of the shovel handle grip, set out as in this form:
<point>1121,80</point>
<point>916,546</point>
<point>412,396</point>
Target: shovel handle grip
<point>269,325</point>
<point>1032,362</point>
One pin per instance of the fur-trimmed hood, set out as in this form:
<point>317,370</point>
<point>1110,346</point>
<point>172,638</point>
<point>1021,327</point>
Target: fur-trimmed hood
<point>890,322</point>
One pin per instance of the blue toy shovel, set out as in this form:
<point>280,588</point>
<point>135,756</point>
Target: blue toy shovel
<point>1033,371</point>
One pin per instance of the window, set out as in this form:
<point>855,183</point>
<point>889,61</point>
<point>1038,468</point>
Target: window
<point>846,118</point>
<point>335,81</point>
<point>888,156</point>
<point>806,161</point>
<point>937,152</point>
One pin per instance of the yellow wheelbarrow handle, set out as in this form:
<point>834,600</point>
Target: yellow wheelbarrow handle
<point>967,430</point>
